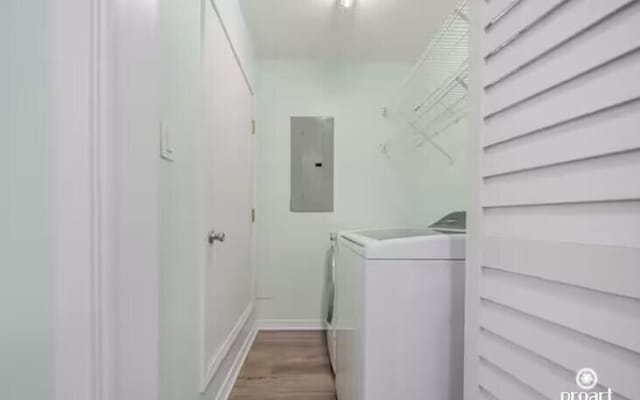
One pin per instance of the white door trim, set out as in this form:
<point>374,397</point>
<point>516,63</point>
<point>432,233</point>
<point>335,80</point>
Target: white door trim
<point>88,318</point>
<point>79,330</point>
<point>234,49</point>
<point>474,219</point>
<point>104,207</point>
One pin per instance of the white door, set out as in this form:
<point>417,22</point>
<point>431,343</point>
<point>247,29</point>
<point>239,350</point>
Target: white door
<point>228,280</point>
<point>554,259</point>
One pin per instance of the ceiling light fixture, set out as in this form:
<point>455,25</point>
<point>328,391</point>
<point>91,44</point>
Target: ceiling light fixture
<point>347,3</point>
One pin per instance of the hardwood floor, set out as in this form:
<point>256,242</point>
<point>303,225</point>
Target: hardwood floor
<point>286,365</point>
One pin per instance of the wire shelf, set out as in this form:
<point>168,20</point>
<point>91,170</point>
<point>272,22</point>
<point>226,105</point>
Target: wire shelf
<point>434,95</point>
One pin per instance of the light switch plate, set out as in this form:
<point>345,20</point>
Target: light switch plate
<point>166,146</point>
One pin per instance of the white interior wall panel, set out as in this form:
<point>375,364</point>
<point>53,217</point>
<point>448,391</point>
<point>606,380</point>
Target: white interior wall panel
<point>554,262</point>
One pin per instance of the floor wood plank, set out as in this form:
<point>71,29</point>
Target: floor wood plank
<point>286,365</point>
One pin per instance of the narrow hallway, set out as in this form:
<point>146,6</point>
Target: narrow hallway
<point>286,365</point>
<point>319,200</point>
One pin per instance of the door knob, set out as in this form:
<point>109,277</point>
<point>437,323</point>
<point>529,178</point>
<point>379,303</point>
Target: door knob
<point>216,236</point>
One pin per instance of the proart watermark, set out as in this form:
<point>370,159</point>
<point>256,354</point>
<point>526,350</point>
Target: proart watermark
<point>587,380</point>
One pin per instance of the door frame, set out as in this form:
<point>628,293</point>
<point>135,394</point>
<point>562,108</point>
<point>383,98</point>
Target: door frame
<point>474,219</point>
<point>101,352</point>
<point>79,253</point>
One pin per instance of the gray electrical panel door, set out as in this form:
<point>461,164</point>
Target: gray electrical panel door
<point>311,164</point>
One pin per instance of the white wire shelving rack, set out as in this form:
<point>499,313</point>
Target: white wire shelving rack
<point>434,96</point>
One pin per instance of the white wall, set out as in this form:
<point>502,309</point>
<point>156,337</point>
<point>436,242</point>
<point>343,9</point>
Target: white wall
<point>410,187</point>
<point>183,215</point>
<point>132,192</point>
<point>436,186</point>
<point>26,200</point>
<point>180,208</point>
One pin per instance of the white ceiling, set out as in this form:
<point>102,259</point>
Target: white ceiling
<point>373,30</point>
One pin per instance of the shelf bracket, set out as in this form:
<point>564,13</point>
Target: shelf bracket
<point>433,143</point>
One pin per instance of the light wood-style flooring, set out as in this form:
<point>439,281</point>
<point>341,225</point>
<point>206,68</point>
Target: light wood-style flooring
<point>286,365</point>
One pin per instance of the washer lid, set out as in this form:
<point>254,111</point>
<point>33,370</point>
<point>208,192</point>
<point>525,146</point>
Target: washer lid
<point>388,234</point>
<point>454,222</point>
<point>406,244</point>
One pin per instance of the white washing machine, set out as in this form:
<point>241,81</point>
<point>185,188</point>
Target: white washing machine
<point>400,312</point>
<point>330,299</point>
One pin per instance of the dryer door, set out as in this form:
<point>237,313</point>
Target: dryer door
<point>330,286</point>
<point>330,301</point>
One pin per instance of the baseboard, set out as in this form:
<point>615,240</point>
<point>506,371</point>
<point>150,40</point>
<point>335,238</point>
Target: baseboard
<point>214,363</point>
<point>290,325</point>
<point>264,325</point>
<point>232,376</point>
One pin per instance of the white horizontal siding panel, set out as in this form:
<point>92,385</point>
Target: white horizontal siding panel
<point>616,367</point>
<point>612,224</point>
<point>503,386</point>
<point>485,395</point>
<point>613,270</point>
<point>568,21</point>
<point>619,35</point>
<point>546,378</point>
<point>600,179</point>
<point>494,8</point>
<point>607,86</point>
<point>606,133</point>
<point>609,318</point>
<point>526,13</point>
